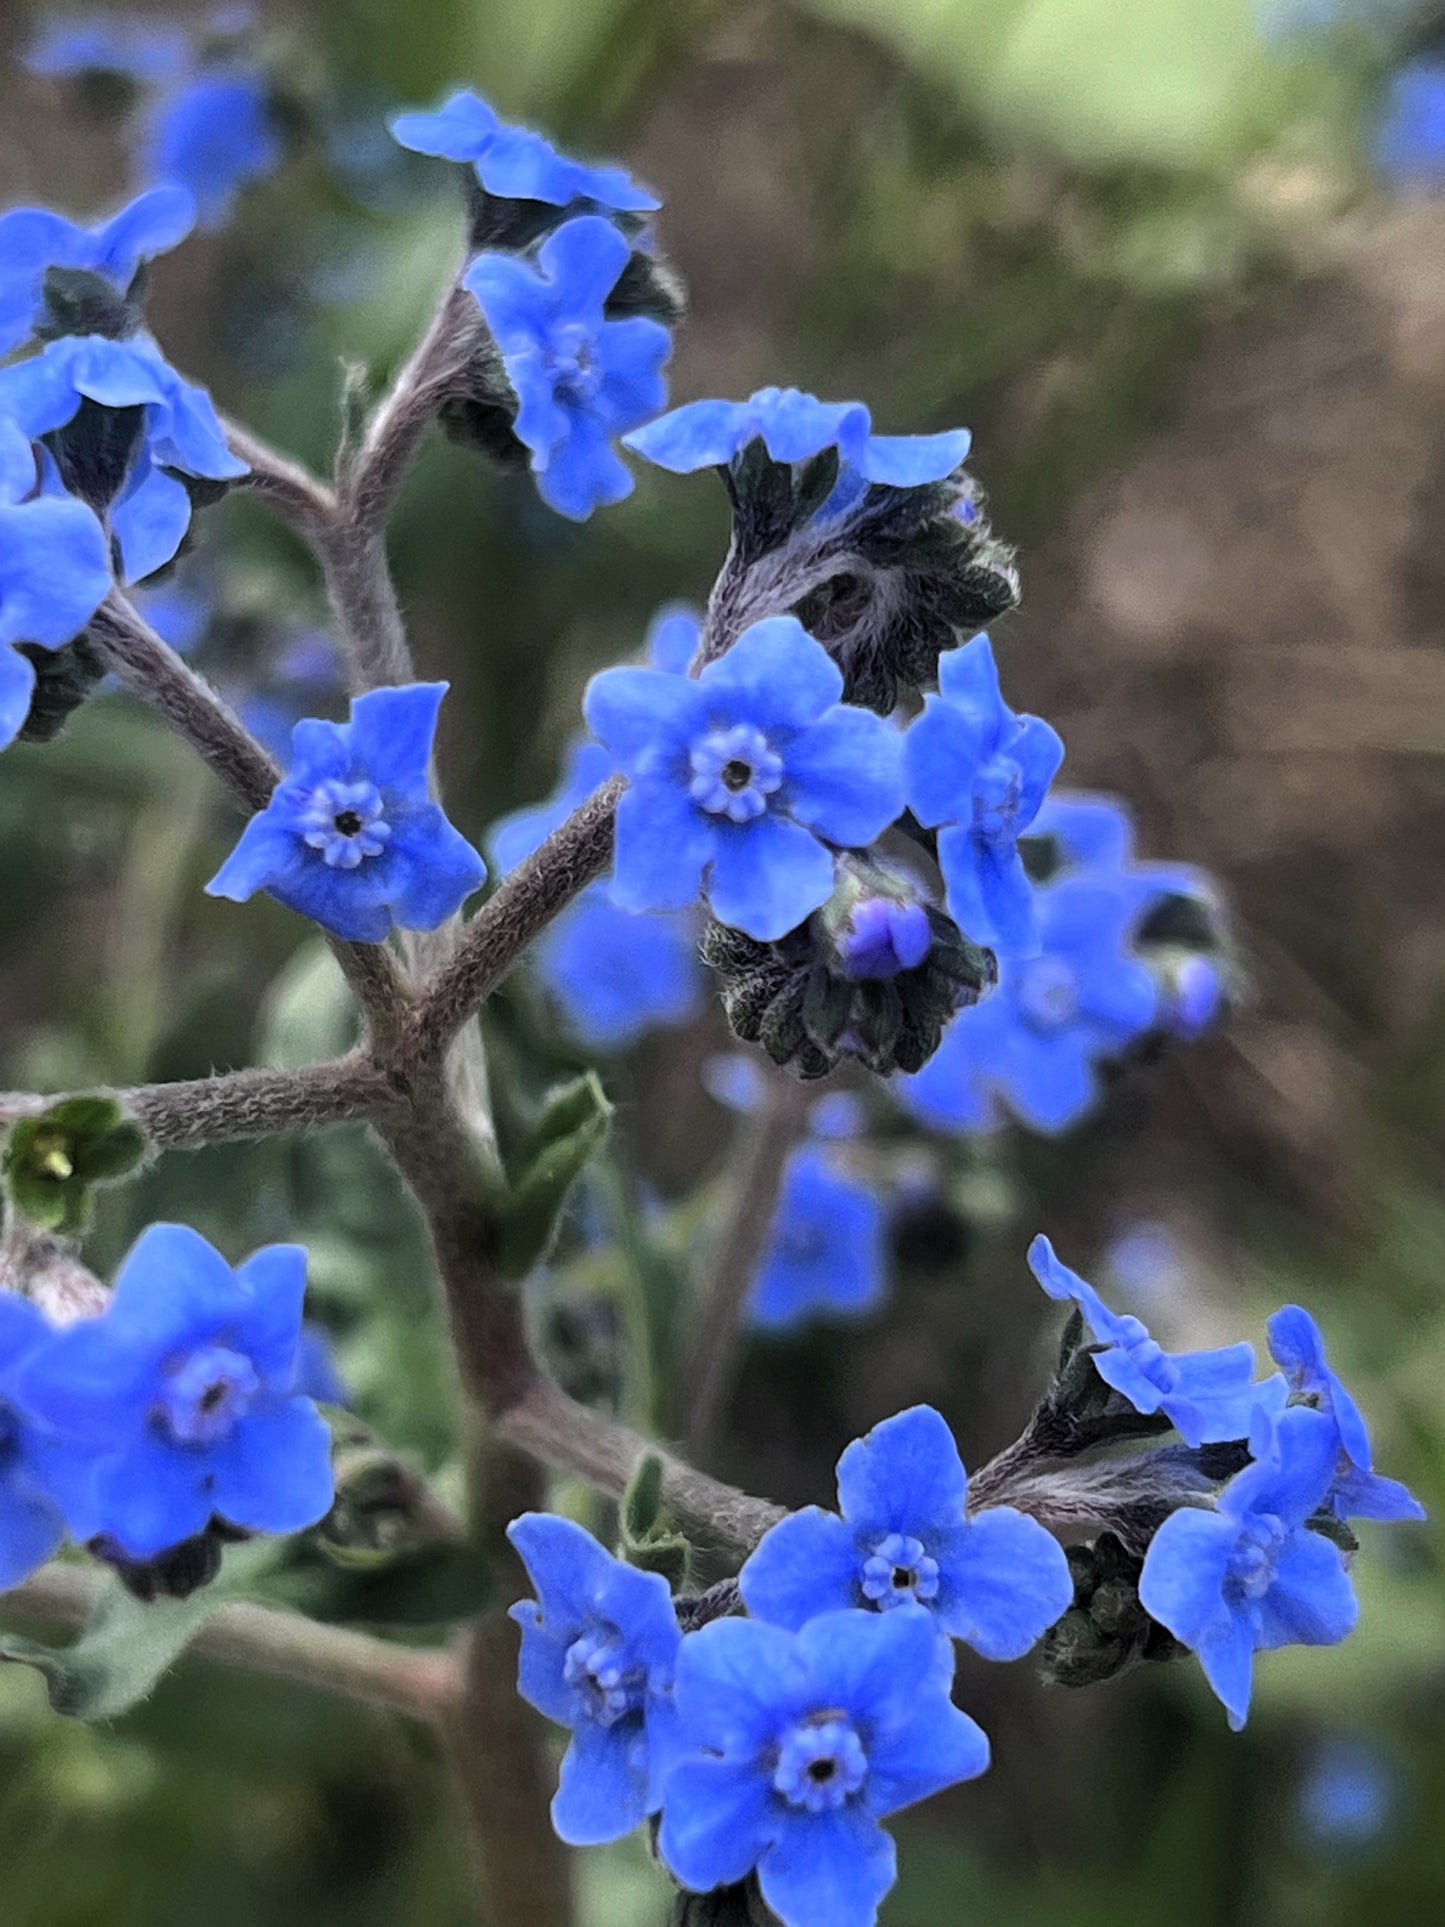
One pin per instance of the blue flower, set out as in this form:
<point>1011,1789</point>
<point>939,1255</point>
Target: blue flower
<point>183,1391</point>
<point>616,974</point>
<point>31,1520</point>
<point>1035,1041</point>
<point>351,837</point>
<point>997,1580</point>
<point>1207,1396</point>
<point>1410,145</point>
<point>513,162</point>
<point>826,1251</point>
<point>980,770</point>
<point>33,241</point>
<point>1092,831</point>
<point>214,136</point>
<point>801,1743</point>
<point>599,1644</point>
<point>882,936</point>
<point>736,778</point>
<point>794,426</point>
<point>54,572</point>
<point>1249,1576</point>
<point>96,44</point>
<point>135,482</point>
<point>1358,1492</point>
<point>579,378</point>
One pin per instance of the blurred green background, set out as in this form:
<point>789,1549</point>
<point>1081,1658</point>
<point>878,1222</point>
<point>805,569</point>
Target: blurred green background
<point>1136,245</point>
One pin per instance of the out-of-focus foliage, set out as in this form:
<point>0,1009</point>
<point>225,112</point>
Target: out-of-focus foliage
<point>1138,248</point>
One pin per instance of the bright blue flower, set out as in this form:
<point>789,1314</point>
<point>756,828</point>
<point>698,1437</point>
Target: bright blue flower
<point>1349,1795</point>
<point>794,426</point>
<point>214,136</point>
<point>579,378</point>
<point>1410,146</point>
<point>883,936</point>
<point>317,1374</point>
<point>736,778</point>
<point>513,838</point>
<point>616,974</point>
<point>513,162</point>
<point>1092,831</point>
<point>997,1580</point>
<point>599,1644</point>
<point>1207,1396</point>
<point>98,44</point>
<point>148,507</point>
<point>183,1389</point>
<point>33,240</point>
<point>1249,1576</point>
<point>1033,1044</point>
<point>54,572</point>
<point>827,1250</point>
<point>981,771</point>
<point>800,1743</point>
<point>31,1520</point>
<point>1297,1346</point>
<point>351,837</point>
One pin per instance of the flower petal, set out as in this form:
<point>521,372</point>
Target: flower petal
<point>766,876</point>
<point>273,1474</point>
<point>845,776</point>
<point>807,1564</point>
<point>829,1869</point>
<point>903,1476</point>
<point>1003,1583</point>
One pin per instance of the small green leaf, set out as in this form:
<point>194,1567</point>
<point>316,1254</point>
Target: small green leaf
<point>571,1131</point>
<point>642,1502</point>
<point>52,1161</point>
<point>428,1586</point>
<point>121,1654</point>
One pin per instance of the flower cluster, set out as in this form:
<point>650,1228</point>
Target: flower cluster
<point>351,837</point>
<point>203,112</point>
<point>773,1746</point>
<point>174,1410</point>
<point>777,1744</point>
<point>1126,950</point>
<point>574,298</point>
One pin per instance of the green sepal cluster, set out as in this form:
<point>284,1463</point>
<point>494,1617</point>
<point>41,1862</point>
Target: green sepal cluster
<point>52,1162</point>
<point>1106,1631</point>
<point>739,1906</point>
<point>64,679</point>
<point>795,998</point>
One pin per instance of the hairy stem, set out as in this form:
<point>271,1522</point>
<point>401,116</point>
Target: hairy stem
<point>497,1744</point>
<point>573,1438</point>
<point>521,908</point>
<point>732,1259</point>
<point>297,496</point>
<point>281,1645</point>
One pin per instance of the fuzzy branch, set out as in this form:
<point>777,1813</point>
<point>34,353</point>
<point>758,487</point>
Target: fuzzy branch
<point>281,1645</point>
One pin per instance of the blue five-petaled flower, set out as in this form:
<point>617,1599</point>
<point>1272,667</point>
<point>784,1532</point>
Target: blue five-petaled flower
<point>793,427</point>
<point>54,572</point>
<point>182,1392</point>
<point>981,772</point>
<point>351,837</point>
<point>1357,1491</point>
<point>996,1579</point>
<point>741,779</point>
<point>827,1249</point>
<point>33,241</point>
<point>579,378</point>
<point>797,1745</point>
<point>214,136</point>
<point>1250,1576</point>
<point>1208,1396</point>
<point>599,1644</point>
<point>514,162</point>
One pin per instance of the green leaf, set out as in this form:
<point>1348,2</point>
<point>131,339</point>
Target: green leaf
<point>121,1654</point>
<point>574,1126</point>
<point>642,1502</point>
<point>52,1161</point>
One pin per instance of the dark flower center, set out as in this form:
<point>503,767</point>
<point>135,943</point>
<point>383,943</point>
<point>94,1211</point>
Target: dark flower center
<point>348,822</point>
<point>737,774</point>
<point>903,1577</point>
<point>821,1771</point>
